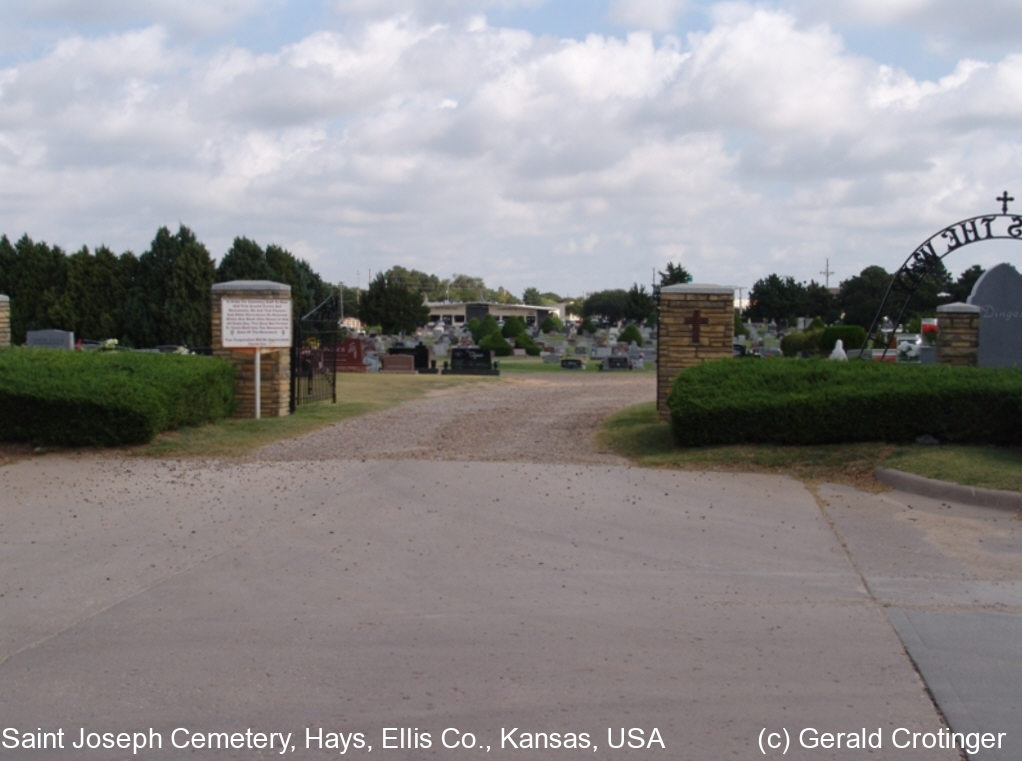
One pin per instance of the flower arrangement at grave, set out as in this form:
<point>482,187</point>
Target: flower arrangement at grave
<point>930,331</point>
<point>109,344</point>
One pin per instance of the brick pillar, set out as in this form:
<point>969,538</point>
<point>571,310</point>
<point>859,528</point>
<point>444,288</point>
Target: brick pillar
<point>5,320</point>
<point>958,339</point>
<point>697,323</point>
<point>275,361</point>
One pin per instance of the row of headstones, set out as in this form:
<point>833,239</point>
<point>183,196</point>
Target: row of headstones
<point>439,345</point>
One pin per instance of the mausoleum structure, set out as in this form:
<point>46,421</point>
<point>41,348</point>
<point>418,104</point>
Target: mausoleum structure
<point>697,323</point>
<point>250,317</point>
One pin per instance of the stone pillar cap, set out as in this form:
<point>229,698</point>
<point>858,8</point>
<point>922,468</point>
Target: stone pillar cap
<point>959,306</point>
<point>697,288</point>
<point>4,298</point>
<point>251,285</point>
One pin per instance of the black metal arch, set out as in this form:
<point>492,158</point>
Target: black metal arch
<point>926,256</point>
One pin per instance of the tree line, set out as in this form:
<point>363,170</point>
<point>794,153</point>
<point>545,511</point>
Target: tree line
<point>782,299</point>
<point>161,297</point>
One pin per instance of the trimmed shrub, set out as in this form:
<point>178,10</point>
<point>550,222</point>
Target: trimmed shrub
<point>552,324</point>
<point>805,344</point>
<point>512,327</point>
<point>483,327</point>
<point>496,343</point>
<point>108,398</point>
<point>524,341</point>
<point>819,402</point>
<point>629,334</point>
<point>852,336</point>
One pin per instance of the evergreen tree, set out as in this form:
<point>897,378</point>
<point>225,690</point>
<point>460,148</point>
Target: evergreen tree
<point>93,296</point>
<point>611,305</point>
<point>393,306</point>
<point>244,261</point>
<point>962,288</point>
<point>33,277</point>
<point>176,275</point>
<point>861,296</point>
<point>674,274</point>
<point>640,305</point>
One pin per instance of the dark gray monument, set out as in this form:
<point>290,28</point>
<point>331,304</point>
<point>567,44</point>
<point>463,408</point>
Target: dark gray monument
<point>998,294</point>
<point>50,339</point>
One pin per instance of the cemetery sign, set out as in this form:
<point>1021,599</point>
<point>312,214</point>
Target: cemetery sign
<point>256,323</point>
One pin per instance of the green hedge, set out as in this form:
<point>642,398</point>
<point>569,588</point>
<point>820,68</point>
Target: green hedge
<point>820,401</point>
<point>821,340</point>
<point>97,398</point>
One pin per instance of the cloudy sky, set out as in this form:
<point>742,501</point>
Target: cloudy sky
<point>570,145</point>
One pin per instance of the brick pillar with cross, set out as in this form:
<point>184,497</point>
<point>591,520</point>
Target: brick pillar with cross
<point>5,320</point>
<point>697,323</point>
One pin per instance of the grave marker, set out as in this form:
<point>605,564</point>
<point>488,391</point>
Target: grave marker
<point>471,360</point>
<point>998,294</point>
<point>50,339</point>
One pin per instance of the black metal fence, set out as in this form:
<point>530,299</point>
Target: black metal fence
<point>314,355</point>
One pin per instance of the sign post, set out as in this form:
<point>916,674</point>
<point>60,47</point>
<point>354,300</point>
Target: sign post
<point>256,324</point>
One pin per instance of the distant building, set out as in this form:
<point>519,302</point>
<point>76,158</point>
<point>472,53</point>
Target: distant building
<point>459,312</point>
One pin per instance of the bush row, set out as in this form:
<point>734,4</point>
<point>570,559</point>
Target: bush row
<point>819,401</point>
<point>101,398</point>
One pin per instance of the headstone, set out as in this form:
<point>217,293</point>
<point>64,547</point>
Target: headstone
<point>572,363</point>
<point>616,362</point>
<point>551,358</point>
<point>600,352</point>
<point>351,356</point>
<point>50,339</point>
<point>419,354</point>
<point>398,363</point>
<point>581,351</point>
<point>998,294</point>
<point>471,360</point>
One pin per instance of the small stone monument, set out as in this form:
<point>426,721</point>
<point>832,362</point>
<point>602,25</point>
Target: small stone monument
<point>50,339</point>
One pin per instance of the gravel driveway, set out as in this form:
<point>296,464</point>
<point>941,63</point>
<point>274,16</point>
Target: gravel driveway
<point>543,418</point>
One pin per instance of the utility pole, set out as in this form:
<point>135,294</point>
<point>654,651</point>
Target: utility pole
<point>827,272</point>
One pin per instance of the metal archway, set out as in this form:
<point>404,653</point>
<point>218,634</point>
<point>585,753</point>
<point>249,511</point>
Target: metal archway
<point>924,259</point>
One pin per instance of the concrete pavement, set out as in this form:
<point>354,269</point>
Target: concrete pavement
<point>414,605</point>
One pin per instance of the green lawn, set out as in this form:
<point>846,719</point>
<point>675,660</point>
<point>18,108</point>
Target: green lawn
<point>637,433</point>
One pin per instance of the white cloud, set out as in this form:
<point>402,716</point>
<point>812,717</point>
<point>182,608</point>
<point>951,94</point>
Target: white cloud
<point>651,15</point>
<point>759,144</point>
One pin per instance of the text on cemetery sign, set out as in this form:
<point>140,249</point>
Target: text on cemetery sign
<point>255,322</point>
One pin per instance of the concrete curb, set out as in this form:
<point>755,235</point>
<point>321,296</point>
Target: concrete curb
<point>931,487</point>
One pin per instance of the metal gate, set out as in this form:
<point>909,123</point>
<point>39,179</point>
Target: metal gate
<point>314,355</point>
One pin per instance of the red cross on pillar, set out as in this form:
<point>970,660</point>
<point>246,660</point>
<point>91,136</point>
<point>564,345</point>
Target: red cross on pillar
<point>696,320</point>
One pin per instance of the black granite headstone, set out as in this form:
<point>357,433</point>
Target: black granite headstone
<point>471,360</point>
